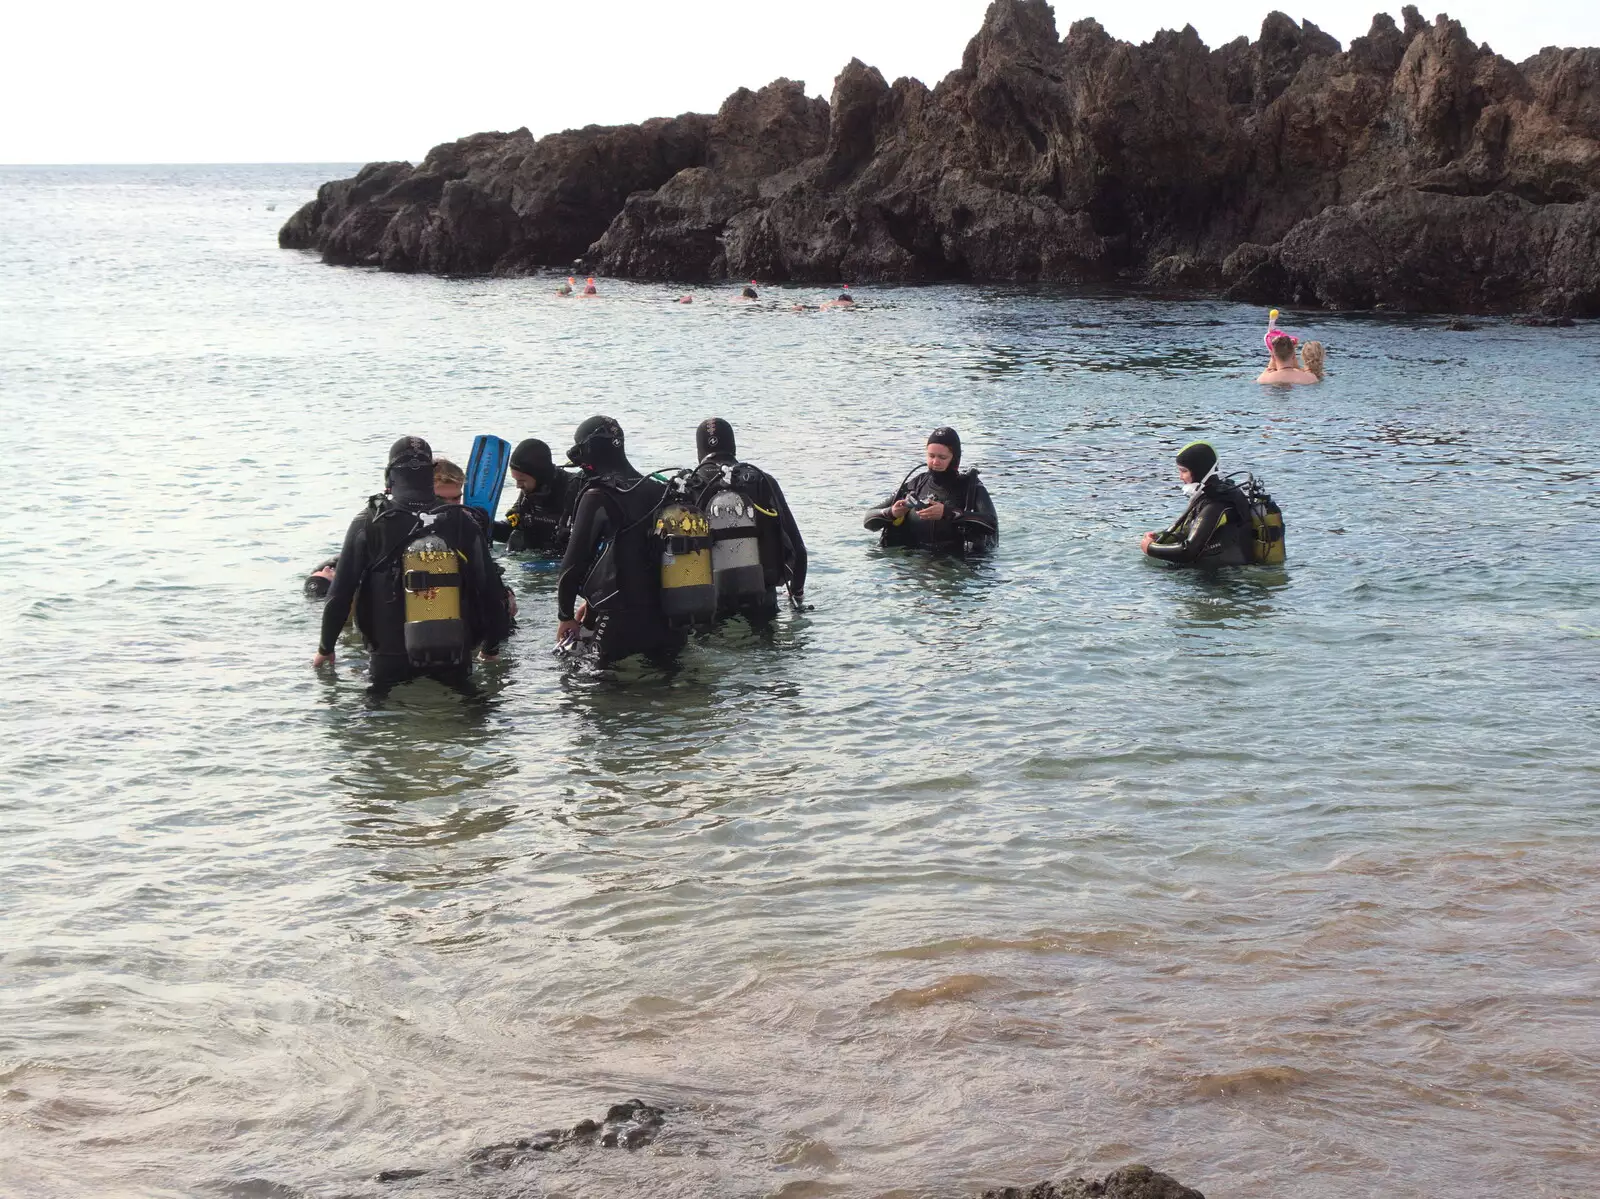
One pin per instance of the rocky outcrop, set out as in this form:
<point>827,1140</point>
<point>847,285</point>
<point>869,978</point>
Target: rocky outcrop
<point>494,203</point>
<point>1130,1182</point>
<point>630,1125</point>
<point>1414,170</point>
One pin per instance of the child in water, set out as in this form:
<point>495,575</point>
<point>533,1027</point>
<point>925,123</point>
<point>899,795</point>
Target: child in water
<point>448,481</point>
<point>1315,357</point>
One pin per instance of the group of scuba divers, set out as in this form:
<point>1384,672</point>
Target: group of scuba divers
<point>646,560</point>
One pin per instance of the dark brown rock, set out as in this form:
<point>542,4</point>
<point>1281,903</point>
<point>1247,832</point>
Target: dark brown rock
<point>1130,1182</point>
<point>1414,171</point>
<point>495,202</point>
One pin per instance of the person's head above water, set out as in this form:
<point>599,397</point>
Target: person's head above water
<point>749,293</point>
<point>1315,357</point>
<point>1196,462</point>
<point>320,581</point>
<point>532,467</point>
<point>1283,347</point>
<point>943,450</point>
<point>714,439</point>
<point>410,468</point>
<point>845,298</point>
<point>597,444</point>
<point>448,480</point>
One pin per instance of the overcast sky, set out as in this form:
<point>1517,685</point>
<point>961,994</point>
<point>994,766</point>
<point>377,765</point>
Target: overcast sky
<point>354,80</point>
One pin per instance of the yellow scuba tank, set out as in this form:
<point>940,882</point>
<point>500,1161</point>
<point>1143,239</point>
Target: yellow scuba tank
<point>1267,547</point>
<point>688,593</point>
<point>430,574</point>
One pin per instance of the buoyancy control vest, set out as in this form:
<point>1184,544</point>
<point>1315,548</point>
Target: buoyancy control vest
<point>541,521</point>
<point>624,579</point>
<point>1229,540</point>
<point>976,531</point>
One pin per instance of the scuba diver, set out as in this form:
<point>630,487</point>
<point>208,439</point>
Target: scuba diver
<point>1216,528</point>
<point>425,589</point>
<point>541,518</point>
<point>756,545</point>
<point>613,560</point>
<point>942,507</point>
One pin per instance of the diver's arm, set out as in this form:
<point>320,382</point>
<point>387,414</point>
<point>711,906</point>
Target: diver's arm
<point>579,558</point>
<point>794,545</point>
<point>1199,534</point>
<point>885,514</point>
<point>346,580</point>
<point>501,530</point>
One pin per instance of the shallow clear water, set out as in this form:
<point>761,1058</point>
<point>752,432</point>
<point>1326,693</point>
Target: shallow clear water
<point>1285,882</point>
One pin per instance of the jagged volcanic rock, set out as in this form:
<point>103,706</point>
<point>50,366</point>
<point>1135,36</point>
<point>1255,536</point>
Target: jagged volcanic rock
<point>1414,170</point>
<point>1130,1182</point>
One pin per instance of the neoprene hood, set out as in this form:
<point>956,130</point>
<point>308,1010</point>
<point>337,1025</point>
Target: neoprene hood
<point>1199,458</point>
<point>597,444</point>
<point>714,439</point>
<point>946,436</point>
<point>410,452</point>
<point>409,475</point>
<point>532,457</point>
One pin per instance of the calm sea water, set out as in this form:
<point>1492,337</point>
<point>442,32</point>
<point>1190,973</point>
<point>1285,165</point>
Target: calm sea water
<point>1284,881</point>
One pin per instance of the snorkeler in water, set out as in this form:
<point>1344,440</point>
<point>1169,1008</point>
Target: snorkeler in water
<point>1283,366</point>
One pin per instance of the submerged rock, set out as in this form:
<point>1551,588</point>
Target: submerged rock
<point>1413,171</point>
<point>630,1125</point>
<point>1130,1182</point>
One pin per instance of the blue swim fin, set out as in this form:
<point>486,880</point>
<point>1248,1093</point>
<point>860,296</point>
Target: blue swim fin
<point>486,473</point>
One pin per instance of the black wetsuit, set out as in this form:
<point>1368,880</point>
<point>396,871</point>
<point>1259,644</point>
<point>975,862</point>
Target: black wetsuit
<point>370,572</point>
<point>541,521</point>
<point>782,549</point>
<point>1215,530</point>
<point>969,523</point>
<point>612,561</point>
